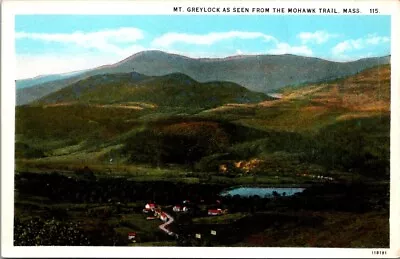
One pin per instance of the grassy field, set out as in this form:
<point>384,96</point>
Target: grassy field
<point>223,219</point>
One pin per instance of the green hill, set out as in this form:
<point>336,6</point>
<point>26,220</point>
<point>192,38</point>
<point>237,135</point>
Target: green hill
<point>173,90</point>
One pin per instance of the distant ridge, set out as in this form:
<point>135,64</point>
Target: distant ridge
<point>261,73</point>
<point>28,82</point>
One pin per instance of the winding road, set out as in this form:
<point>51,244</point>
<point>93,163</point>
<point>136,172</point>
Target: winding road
<point>169,221</point>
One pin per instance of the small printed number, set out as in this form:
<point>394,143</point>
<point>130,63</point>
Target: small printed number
<point>374,10</point>
<point>379,252</point>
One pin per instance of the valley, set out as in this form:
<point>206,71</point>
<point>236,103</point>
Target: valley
<point>90,155</point>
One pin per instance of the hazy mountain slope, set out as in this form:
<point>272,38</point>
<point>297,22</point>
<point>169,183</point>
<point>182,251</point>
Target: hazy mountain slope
<point>171,90</point>
<point>313,106</point>
<point>33,93</point>
<point>262,73</point>
<point>24,83</point>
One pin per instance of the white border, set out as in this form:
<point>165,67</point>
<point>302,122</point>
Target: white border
<point>11,8</point>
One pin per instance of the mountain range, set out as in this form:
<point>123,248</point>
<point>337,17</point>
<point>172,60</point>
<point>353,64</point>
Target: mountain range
<point>259,73</point>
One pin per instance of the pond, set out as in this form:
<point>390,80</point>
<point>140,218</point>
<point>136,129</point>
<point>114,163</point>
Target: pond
<point>262,192</point>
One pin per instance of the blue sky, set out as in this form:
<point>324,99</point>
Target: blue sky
<point>48,44</point>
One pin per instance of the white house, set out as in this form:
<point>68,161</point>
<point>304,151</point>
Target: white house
<point>164,217</point>
<point>132,236</point>
<point>177,208</point>
<point>150,206</point>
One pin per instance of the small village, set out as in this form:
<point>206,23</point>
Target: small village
<point>154,211</point>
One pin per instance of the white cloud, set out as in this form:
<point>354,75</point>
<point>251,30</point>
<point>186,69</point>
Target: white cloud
<point>357,44</point>
<point>347,45</point>
<point>169,39</point>
<point>105,40</point>
<point>111,46</point>
<point>317,37</point>
<point>375,40</point>
<point>285,48</point>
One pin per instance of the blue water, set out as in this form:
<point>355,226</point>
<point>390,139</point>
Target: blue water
<point>262,192</point>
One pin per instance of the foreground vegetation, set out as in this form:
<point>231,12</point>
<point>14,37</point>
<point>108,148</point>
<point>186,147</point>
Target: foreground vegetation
<point>53,209</point>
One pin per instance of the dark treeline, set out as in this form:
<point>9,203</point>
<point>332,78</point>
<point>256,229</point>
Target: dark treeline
<point>60,188</point>
<point>356,197</point>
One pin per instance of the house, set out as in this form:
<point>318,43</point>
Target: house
<point>132,236</point>
<point>177,208</point>
<point>214,212</point>
<point>164,217</point>
<point>223,168</point>
<point>150,206</point>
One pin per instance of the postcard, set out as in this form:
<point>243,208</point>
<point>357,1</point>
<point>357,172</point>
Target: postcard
<point>187,129</point>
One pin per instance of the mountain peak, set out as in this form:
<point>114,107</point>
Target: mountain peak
<point>260,73</point>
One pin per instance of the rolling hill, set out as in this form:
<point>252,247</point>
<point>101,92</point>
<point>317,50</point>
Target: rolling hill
<point>313,106</point>
<point>261,73</point>
<point>172,90</point>
<point>339,125</point>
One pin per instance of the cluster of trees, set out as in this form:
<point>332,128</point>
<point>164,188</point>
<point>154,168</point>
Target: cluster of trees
<point>181,143</point>
<point>360,145</point>
<point>52,232</point>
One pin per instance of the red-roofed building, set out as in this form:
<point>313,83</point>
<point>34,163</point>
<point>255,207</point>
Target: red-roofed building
<point>214,212</point>
<point>163,217</point>
<point>131,235</point>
